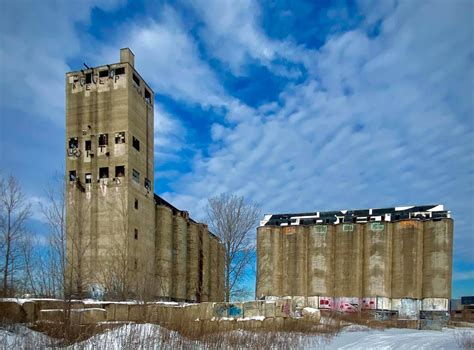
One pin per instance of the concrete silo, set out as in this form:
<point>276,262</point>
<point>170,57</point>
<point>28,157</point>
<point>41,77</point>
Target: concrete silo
<point>377,266</point>
<point>437,264</point>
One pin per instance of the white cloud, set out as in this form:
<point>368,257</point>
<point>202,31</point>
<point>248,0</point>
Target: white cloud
<point>38,37</point>
<point>380,121</point>
<point>169,59</point>
<point>232,33</point>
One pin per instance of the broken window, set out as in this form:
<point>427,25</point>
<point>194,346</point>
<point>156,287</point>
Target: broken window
<point>136,80</point>
<point>120,171</point>
<point>72,175</point>
<point>136,176</point>
<point>136,234</point>
<point>120,137</point>
<point>88,78</point>
<point>88,178</point>
<point>147,96</point>
<point>147,184</point>
<point>87,145</point>
<point>120,70</point>
<point>103,140</point>
<point>136,143</point>
<point>103,173</point>
<point>103,74</point>
<point>73,142</point>
<point>136,203</point>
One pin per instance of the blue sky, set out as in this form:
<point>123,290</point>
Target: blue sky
<point>299,106</point>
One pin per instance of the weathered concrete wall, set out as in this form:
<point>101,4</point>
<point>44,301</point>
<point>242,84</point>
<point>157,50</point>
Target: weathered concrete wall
<point>205,264</point>
<point>407,262</point>
<point>301,281</point>
<point>179,257</point>
<point>437,258</point>
<point>213,267</point>
<point>321,260</point>
<point>377,272</point>
<point>264,262</point>
<point>277,261</point>
<point>348,260</point>
<point>192,280</point>
<point>289,258</point>
<point>164,269</point>
<point>358,265</point>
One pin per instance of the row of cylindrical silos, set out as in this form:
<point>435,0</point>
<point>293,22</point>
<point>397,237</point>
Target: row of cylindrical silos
<point>189,259</point>
<point>402,259</point>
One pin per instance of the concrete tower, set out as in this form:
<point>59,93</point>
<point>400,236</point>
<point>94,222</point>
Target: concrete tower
<point>122,239</point>
<point>109,169</point>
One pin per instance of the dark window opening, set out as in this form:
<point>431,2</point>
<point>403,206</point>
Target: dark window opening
<point>72,175</point>
<point>136,80</point>
<point>136,143</point>
<point>88,145</point>
<point>103,173</point>
<point>327,221</point>
<point>120,171</point>
<point>88,78</point>
<point>103,74</point>
<point>136,234</point>
<point>103,139</point>
<point>120,70</point>
<point>147,184</point>
<point>73,142</point>
<point>120,137</point>
<point>147,95</point>
<point>136,264</point>
<point>88,178</point>
<point>136,203</point>
<point>397,217</point>
<point>354,219</point>
<point>136,176</point>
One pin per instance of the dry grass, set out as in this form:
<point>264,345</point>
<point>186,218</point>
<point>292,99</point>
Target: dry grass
<point>183,331</point>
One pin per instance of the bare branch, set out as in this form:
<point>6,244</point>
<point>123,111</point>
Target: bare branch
<point>232,220</point>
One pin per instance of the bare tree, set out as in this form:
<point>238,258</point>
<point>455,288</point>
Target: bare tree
<point>14,211</point>
<point>232,219</point>
<point>53,272</point>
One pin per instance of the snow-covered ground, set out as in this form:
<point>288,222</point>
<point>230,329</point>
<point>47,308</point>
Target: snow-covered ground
<point>148,336</point>
<point>397,339</point>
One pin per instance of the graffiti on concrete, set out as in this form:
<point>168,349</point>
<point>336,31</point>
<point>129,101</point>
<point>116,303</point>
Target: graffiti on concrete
<point>286,308</point>
<point>228,310</point>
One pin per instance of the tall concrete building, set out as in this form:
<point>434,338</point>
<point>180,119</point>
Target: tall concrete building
<point>397,259</point>
<point>122,239</point>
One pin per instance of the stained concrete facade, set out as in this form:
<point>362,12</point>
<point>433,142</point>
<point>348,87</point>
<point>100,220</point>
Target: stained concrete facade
<point>120,236</point>
<point>405,263</point>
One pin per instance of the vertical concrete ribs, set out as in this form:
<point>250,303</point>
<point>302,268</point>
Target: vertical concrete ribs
<point>394,259</point>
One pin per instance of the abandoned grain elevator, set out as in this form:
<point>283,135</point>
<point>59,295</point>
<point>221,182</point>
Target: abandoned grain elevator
<point>120,235</point>
<point>397,259</point>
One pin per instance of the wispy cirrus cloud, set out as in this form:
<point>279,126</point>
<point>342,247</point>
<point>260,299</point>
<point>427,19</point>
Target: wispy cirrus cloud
<point>377,121</point>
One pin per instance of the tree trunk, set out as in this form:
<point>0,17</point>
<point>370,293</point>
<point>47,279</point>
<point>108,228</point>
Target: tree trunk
<point>7,257</point>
